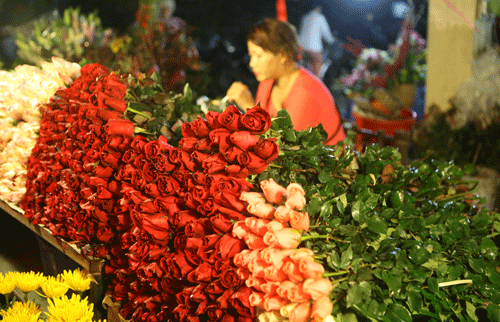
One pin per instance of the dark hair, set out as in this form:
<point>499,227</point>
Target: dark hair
<point>277,37</point>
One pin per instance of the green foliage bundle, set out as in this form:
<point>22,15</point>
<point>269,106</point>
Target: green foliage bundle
<point>400,243</point>
<point>158,112</point>
<point>68,36</point>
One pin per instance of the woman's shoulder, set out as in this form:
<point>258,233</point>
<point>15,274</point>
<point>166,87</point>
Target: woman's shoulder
<point>310,84</point>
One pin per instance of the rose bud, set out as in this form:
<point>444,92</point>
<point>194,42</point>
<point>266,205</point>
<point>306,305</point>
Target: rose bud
<point>273,192</point>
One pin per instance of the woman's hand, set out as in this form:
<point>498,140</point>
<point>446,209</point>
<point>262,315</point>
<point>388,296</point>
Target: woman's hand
<point>239,94</point>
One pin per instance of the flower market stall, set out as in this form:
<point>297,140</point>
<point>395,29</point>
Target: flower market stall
<point>229,216</point>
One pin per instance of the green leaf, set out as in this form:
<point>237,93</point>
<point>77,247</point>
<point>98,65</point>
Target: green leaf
<point>398,313</point>
<point>433,285</point>
<point>354,295</point>
<point>341,202</point>
<point>471,311</point>
<point>289,135</point>
<point>488,248</point>
<point>377,225</point>
<point>415,301</point>
<point>392,281</point>
<point>334,260</point>
<point>314,206</point>
<point>359,211</point>
<point>346,258</point>
<point>418,255</point>
<point>477,264</point>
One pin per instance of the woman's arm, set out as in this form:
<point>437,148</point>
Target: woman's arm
<point>239,94</point>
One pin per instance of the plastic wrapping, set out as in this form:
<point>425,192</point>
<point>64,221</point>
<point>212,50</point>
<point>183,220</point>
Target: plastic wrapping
<point>478,98</point>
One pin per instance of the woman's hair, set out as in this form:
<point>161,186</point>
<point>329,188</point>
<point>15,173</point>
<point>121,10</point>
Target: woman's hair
<point>277,37</point>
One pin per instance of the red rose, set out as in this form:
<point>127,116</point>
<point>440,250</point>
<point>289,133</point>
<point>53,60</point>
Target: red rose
<point>237,171</point>
<point>221,223</point>
<point>228,246</point>
<point>229,184</point>
<point>220,137</point>
<point>240,301</point>
<point>232,153</point>
<point>200,127</point>
<point>110,157</point>
<point>167,185</point>
<point>204,144</point>
<point>201,274</point>
<point>125,172</point>
<point>137,179</point>
<point>168,204</point>
<point>182,218</point>
<point>230,279</point>
<point>198,228</point>
<point>267,149</point>
<point>187,130</point>
<point>213,119</point>
<point>151,189</point>
<point>215,288</point>
<point>215,313</point>
<point>230,118</point>
<point>149,172</point>
<point>163,164</point>
<point>119,127</point>
<point>188,144</point>
<point>105,233</point>
<point>252,162</point>
<point>151,150</point>
<point>157,225</point>
<point>230,200</point>
<point>214,163</point>
<point>257,120</point>
<point>244,139</point>
<point>138,143</point>
<point>106,114</point>
<point>199,156</point>
<point>129,156</point>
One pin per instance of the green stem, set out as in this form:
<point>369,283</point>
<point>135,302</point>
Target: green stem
<point>326,275</point>
<point>458,196</point>
<point>138,112</point>
<point>303,238</point>
<point>138,130</point>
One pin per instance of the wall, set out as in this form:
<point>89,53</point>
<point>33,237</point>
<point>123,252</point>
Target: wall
<point>450,44</point>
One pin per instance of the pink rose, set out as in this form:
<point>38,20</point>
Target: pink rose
<point>300,313</point>
<point>262,210</point>
<point>299,220</point>
<point>321,308</point>
<point>282,214</point>
<point>273,192</point>
<point>257,225</point>
<point>317,288</point>
<point>295,200</point>
<point>284,238</point>
<point>252,198</point>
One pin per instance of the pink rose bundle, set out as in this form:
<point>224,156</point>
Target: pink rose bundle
<point>282,277</point>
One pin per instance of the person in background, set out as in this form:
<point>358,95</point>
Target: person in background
<point>283,83</point>
<point>313,30</point>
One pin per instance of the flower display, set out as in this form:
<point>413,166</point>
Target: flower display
<point>369,65</point>
<point>21,92</point>
<point>77,280</point>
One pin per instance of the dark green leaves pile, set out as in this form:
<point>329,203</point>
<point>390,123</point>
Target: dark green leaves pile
<point>400,243</point>
<point>157,112</point>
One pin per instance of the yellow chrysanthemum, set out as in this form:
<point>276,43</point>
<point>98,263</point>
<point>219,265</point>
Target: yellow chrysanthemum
<point>77,280</point>
<point>7,282</point>
<point>54,287</point>
<point>75,309</point>
<point>21,312</point>
<point>29,281</point>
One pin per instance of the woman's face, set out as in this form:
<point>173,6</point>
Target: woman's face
<point>264,64</point>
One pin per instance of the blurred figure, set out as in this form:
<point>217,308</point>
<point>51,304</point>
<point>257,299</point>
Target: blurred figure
<point>274,59</point>
<point>313,30</point>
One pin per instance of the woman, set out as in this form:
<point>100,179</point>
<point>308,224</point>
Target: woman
<point>274,59</point>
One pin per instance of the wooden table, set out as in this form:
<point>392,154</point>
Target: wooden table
<point>93,266</point>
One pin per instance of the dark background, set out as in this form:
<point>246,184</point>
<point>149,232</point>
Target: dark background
<point>233,18</point>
